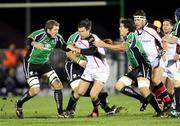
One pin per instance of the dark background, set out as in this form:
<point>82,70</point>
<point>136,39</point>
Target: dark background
<point>105,18</point>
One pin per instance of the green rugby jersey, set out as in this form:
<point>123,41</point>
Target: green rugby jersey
<point>72,39</point>
<point>37,56</point>
<point>135,53</point>
<point>176,31</point>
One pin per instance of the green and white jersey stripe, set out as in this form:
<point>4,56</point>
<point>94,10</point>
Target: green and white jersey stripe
<point>135,52</point>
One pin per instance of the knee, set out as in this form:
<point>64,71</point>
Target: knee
<point>34,90</point>
<point>81,92</point>
<point>119,86</point>
<point>93,95</point>
<point>122,82</point>
<point>156,80</point>
<point>57,85</point>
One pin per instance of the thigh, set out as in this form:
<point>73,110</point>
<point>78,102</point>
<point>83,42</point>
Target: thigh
<point>96,88</point>
<point>83,86</point>
<point>123,81</point>
<point>157,75</point>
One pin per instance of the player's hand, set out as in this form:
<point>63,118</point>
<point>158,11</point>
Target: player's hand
<point>71,47</point>
<point>176,57</point>
<point>38,45</point>
<point>170,39</point>
<point>130,68</point>
<point>108,41</point>
<point>82,63</point>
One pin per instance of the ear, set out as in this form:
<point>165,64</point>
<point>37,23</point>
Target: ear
<point>48,30</point>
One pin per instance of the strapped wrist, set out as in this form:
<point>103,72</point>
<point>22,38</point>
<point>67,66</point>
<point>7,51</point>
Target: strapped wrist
<point>78,61</point>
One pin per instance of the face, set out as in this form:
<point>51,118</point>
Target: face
<point>167,27</point>
<point>54,31</point>
<point>139,23</point>
<point>83,32</point>
<point>123,31</point>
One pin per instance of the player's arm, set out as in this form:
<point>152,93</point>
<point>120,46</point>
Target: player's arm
<point>170,39</point>
<point>116,46</point>
<point>61,43</point>
<point>76,58</point>
<point>89,51</point>
<point>32,42</point>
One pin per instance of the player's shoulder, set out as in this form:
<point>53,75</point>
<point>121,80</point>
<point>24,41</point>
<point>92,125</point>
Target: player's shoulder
<point>95,37</point>
<point>37,34</point>
<point>150,27</point>
<point>74,35</point>
<point>39,31</point>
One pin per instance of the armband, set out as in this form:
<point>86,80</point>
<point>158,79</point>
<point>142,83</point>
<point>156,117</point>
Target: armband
<point>78,61</point>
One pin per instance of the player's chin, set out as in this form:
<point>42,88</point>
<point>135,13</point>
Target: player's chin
<point>54,36</point>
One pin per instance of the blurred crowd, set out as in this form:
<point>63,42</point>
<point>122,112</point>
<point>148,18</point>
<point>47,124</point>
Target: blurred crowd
<point>12,79</point>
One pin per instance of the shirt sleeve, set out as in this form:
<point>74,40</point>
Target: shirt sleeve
<point>61,43</point>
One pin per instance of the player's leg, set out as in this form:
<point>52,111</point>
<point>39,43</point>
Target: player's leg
<point>160,89</point>
<point>123,86</point>
<point>104,104</point>
<point>143,85</point>
<point>177,93</point>
<point>74,86</point>
<point>33,82</point>
<point>129,91</point>
<point>57,86</point>
<point>74,72</point>
<point>94,93</point>
<point>81,90</point>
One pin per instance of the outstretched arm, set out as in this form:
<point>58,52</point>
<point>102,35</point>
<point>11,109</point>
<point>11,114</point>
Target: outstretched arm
<point>114,46</point>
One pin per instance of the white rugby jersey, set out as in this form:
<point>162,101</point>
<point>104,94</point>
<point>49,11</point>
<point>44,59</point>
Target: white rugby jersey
<point>98,58</point>
<point>171,50</point>
<point>151,38</point>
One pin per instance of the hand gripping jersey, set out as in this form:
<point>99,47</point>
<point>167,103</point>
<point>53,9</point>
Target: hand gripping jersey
<point>37,56</point>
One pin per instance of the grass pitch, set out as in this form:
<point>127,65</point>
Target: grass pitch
<point>41,111</point>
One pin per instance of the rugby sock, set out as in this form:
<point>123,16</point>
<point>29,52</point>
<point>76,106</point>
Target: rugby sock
<point>74,107</point>
<point>161,92</point>
<point>103,102</point>
<point>96,103</point>
<point>23,99</point>
<point>151,99</point>
<point>72,103</point>
<point>132,93</point>
<point>177,98</point>
<point>58,98</point>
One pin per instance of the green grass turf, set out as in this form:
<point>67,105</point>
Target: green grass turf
<point>41,111</point>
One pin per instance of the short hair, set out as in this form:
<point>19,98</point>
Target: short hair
<point>170,21</point>
<point>129,23</point>
<point>139,13</point>
<point>85,23</point>
<point>50,24</point>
